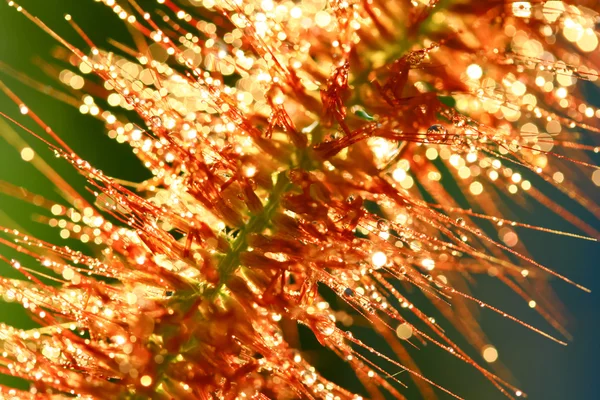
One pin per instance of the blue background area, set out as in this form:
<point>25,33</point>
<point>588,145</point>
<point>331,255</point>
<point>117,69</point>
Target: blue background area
<point>545,370</point>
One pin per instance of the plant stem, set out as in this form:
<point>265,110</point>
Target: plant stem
<point>257,223</point>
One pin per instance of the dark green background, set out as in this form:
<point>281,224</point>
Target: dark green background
<point>545,370</point>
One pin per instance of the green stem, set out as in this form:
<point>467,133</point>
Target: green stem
<point>230,263</point>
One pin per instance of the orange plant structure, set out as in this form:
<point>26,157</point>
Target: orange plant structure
<point>300,151</point>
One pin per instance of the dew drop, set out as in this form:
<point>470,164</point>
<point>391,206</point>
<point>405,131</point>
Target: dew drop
<point>457,141</point>
<point>383,225</point>
<point>437,134</point>
<point>156,121</point>
<point>325,327</point>
<point>309,378</point>
<point>320,226</point>
<point>379,259</point>
<point>459,120</point>
<point>404,331</point>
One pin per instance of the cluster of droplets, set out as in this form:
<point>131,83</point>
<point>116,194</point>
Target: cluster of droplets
<point>265,190</point>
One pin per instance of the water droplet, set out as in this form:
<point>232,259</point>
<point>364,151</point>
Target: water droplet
<point>253,184</point>
<point>416,246</point>
<point>156,121</point>
<point>489,353</point>
<point>309,378</point>
<point>460,222</point>
<point>379,259</point>
<point>459,120</point>
<point>428,264</point>
<point>437,134</point>
<point>457,141</point>
<point>325,327</point>
<point>404,331</point>
<point>383,225</point>
<point>321,227</point>
<point>360,112</point>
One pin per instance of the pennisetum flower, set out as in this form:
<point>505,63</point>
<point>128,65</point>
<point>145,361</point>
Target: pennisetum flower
<point>356,151</point>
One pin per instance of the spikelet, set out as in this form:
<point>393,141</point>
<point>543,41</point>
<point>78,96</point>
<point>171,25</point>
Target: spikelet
<point>314,163</point>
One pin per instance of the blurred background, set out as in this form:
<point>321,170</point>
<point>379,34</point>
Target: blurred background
<point>543,369</point>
